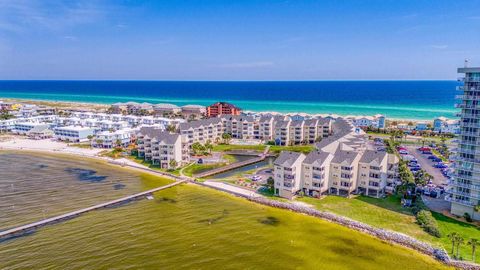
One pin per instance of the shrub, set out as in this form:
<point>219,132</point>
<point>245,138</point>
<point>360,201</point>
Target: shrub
<point>467,217</point>
<point>428,223</point>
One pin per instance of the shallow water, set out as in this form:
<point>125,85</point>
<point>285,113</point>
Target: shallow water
<point>34,187</point>
<point>186,227</point>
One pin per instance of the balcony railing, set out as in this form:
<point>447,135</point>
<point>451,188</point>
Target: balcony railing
<point>465,194</point>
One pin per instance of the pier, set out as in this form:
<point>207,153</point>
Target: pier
<point>18,231</point>
<point>235,165</point>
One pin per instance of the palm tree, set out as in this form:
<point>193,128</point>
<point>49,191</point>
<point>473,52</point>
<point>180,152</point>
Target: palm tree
<point>173,163</point>
<point>473,243</point>
<point>209,146</point>
<point>226,138</point>
<point>453,237</point>
<point>459,241</point>
<point>171,128</point>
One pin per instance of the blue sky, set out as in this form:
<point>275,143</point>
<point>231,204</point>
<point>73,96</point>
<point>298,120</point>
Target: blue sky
<point>237,40</point>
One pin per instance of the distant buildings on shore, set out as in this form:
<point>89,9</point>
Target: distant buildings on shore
<point>222,108</point>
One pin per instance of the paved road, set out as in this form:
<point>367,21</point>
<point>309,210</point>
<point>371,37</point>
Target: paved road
<point>427,165</point>
<point>231,189</point>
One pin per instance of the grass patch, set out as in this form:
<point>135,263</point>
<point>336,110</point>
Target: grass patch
<point>199,168</point>
<point>387,213</point>
<point>436,153</point>
<point>273,148</point>
<point>154,167</point>
<point>448,225</point>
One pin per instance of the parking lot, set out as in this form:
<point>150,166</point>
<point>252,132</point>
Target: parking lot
<point>427,165</point>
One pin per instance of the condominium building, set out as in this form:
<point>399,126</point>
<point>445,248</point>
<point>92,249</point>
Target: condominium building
<point>465,188</point>
<point>376,121</point>
<point>282,132</point>
<point>444,125</point>
<point>296,132</point>
<point>161,147</point>
<point>222,108</point>
<point>165,109</point>
<point>73,133</point>
<point>202,131</point>
<point>373,173</point>
<point>343,172</point>
<point>316,170</point>
<point>239,126</point>
<point>287,173</point>
<point>193,112</point>
<point>107,139</point>
<point>23,128</point>
<point>341,165</point>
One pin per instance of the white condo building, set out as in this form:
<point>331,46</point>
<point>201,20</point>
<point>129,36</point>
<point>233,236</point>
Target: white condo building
<point>464,189</point>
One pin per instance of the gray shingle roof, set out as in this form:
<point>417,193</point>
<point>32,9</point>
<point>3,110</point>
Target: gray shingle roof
<point>313,156</point>
<point>341,156</point>
<point>371,155</point>
<point>287,158</point>
<point>159,135</point>
<point>200,123</point>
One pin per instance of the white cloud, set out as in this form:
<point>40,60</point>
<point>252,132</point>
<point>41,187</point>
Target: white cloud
<point>24,15</point>
<point>72,38</point>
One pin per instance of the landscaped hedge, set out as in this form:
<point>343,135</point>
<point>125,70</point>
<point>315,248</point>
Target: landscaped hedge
<point>428,222</point>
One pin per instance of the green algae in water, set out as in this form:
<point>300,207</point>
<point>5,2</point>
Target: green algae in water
<point>152,235</point>
<point>185,227</point>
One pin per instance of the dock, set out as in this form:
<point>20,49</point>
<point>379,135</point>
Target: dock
<point>18,231</point>
<point>235,165</point>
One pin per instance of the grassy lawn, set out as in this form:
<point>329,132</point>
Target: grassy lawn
<point>273,148</point>
<point>295,148</point>
<point>199,168</point>
<point>382,213</point>
<point>467,231</point>
<point>153,167</point>
<point>389,214</point>
<point>436,153</point>
<point>229,158</point>
<point>231,147</point>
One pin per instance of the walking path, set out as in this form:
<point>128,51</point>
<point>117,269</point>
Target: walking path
<point>231,189</point>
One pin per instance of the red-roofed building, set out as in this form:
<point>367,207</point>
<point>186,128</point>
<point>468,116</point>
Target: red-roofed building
<point>221,108</point>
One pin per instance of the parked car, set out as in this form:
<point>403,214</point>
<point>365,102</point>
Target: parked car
<point>427,152</point>
<point>403,152</point>
<point>415,169</point>
<point>431,157</point>
<point>436,159</point>
<point>424,148</point>
<point>440,165</point>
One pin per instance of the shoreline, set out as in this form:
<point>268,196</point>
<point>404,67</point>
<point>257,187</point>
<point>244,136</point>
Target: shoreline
<point>391,237</point>
<point>95,106</point>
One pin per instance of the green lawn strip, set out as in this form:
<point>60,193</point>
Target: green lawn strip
<point>436,153</point>
<point>381,213</point>
<point>448,225</point>
<point>389,214</point>
<point>232,147</point>
<point>229,158</point>
<point>295,148</point>
<point>273,148</point>
<point>199,168</point>
<point>153,167</point>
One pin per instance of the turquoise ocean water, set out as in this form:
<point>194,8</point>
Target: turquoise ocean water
<point>396,99</point>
